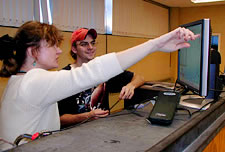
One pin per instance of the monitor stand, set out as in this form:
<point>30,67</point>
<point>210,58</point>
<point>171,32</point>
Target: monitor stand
<point>195,102</point>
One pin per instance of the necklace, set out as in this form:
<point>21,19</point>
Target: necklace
<point>21,71</point>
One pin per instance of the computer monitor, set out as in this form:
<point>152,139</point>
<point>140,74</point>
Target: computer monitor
<point>194,62</point>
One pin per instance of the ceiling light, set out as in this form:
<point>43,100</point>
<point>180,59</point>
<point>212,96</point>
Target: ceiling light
<point>205,1</point>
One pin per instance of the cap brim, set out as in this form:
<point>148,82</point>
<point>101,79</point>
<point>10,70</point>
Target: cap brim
<point>93,33</point>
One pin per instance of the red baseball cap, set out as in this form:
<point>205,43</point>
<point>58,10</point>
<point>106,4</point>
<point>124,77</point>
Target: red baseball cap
<point>80,34</point>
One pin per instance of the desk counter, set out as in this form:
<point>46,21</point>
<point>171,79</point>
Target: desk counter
<point>126,131</point>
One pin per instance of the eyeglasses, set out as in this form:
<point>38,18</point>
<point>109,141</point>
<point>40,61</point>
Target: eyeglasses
<point>86,44</point>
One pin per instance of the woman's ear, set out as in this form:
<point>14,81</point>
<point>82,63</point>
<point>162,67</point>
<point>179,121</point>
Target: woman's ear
<point>32,52</point>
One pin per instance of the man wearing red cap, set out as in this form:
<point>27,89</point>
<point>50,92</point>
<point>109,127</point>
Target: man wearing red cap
<point>93,102</point>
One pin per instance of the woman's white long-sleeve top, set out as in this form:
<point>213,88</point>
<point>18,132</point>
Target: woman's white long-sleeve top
<point>29,104</point>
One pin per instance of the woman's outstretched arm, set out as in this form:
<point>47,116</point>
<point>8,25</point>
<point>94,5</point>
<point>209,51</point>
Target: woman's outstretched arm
<point>169,42</point>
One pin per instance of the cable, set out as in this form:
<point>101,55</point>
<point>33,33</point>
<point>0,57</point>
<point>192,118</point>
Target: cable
<point>182,108</point>
<point>115,104</point>
<point>216,90</point>
<point>5,141</point>
<point>21,137</point>
<point>31,137</point>
<point>132,111</point>
<point>45,133</point>
<point>78,124</point>
<point>175,85</point>
<point>85,119</point>
<point>199,110</point>
<point>180,88</point>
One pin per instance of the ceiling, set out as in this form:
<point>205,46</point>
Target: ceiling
<point>185,3</point>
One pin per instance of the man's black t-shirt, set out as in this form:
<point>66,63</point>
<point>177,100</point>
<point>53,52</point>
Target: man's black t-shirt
<point>93,98</point>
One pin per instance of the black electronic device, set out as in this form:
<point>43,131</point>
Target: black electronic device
<point>164,109</point>
<point>194,62</point>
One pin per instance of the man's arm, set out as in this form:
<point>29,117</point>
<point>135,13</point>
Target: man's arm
<point>70,119</point>
<point>127,91</point>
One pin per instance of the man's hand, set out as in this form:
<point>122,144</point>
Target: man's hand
<point>127,91</point>
<point>98,113</point>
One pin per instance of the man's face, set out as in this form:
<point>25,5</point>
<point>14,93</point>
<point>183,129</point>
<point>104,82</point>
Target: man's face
<point>85,49</point>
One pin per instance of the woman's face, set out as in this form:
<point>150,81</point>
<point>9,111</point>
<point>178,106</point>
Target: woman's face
<point>47,56</point>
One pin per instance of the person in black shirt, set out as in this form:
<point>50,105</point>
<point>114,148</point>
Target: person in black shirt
<point>215,55</point>
<point>93,102</point>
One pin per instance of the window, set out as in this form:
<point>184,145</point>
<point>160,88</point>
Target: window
<point>108,16</point>
<point>16,12</point>
<point>69,15</point>
<point>215,40</point>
